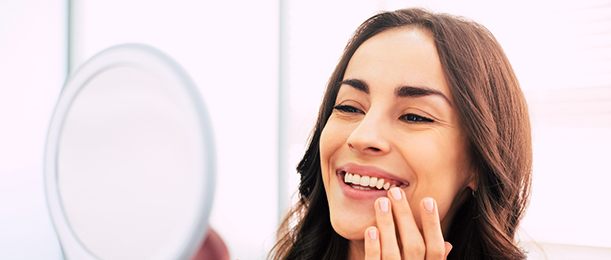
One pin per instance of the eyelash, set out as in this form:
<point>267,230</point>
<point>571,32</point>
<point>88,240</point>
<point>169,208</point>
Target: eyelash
<point>348,109</point>
<point>412,118</point>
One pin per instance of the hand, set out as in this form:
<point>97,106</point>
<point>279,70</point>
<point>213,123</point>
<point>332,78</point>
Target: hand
<point>383,242</point>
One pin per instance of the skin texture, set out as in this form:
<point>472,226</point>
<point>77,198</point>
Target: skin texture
<point>417,139</point>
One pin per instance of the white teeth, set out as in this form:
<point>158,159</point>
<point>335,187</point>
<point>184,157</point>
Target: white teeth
<point>367,181</point>
<point>373,181</point>
<point>356,179</point>
<point>386,186</point>
<point>360,187</point>
<point>380,183</point>
<point>364,181</point>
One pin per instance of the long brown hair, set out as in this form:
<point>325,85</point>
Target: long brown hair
<point>494,115</point>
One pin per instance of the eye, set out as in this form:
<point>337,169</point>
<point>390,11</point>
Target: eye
<point>413,118</point>
<point>348,109</point>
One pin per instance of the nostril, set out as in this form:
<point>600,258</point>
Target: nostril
<point>371,149</point>
<point>375,149</point>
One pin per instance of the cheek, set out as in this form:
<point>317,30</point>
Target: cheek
<point>439,162</point>
<point>348,219</point>
<point>331,140</point>
<point>332,137</point>
<point>435,155</point>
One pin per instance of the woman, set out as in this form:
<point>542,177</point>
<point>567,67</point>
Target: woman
<point>421,150</point>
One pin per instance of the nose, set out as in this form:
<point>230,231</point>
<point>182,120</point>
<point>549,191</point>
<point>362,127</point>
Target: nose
<point>370,136</point>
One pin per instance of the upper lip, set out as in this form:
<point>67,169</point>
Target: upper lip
<point>371,171</point>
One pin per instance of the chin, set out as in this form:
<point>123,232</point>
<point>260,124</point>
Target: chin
<point>351,225</point>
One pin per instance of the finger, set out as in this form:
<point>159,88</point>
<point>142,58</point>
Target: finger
<point>412,242</point>
<point>433,238</point>
<point>448,247</point>
<point>386,226</point>
<point>372,244</point>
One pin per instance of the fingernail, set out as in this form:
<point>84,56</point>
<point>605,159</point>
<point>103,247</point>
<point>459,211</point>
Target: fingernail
<point>429,204</point>
<point>384,204</point>
<point>396,193</point>
<point>373,234</point>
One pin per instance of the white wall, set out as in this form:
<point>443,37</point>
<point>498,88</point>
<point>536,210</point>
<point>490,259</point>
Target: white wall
<point>230,48</point>
<point>31,74</point>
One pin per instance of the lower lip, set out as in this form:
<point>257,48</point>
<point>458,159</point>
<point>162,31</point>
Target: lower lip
<point>359,194</point>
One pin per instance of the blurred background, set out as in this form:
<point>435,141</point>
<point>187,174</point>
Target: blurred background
<point>262,66</point>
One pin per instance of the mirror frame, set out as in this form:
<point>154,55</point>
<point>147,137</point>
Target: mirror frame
<point>150,58</point>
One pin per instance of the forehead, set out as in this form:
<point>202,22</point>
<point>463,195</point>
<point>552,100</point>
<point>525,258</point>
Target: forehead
<point>396,57</point>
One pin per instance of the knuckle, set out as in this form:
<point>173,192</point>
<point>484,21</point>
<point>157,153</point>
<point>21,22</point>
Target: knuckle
<point>390,256</point>
<point>371,248</point>
<point>402,210</point>
<point>386,220</point>
<point>372,253</point>
<point>430,220</point>
<point>420,251</point>
<point>415,250</point>
<point>437,252</point>
<point>418,245</point>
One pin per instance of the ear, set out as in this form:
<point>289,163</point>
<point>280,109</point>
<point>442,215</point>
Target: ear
<point>472,180</point>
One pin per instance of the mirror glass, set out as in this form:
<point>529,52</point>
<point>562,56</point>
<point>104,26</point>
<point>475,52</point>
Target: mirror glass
<point>130,158</point>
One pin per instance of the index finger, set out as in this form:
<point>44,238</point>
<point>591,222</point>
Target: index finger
<point>412,242</point>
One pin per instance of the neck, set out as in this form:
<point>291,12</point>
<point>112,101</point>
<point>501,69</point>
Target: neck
<point>356,250</point>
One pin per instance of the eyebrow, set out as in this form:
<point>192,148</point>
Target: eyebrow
<point>357,84</point>
<point>402,91</point>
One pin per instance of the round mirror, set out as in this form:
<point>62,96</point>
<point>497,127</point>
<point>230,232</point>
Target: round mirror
<point>129,162</point>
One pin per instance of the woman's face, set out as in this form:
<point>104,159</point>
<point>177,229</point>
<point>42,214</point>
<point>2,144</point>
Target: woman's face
<point>394,124</point>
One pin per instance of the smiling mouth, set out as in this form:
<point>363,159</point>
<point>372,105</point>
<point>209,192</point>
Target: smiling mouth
<point>368,183</point>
